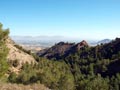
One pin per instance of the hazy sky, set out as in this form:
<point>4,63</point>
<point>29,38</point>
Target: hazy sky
<point>85,19</point>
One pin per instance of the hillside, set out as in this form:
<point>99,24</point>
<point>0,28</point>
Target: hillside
<point>88,64</point>
<point>12,59</point>
<point>18,54</point>
<point>64,66</point>
<point>81,66</point>
<point>22,69</point>
<point>60,50</point>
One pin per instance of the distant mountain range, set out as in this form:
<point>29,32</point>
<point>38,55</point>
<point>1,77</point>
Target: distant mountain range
<point>104,41</point>
<point>48,41</point>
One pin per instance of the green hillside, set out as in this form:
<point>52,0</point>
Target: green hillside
<point>79,66</point>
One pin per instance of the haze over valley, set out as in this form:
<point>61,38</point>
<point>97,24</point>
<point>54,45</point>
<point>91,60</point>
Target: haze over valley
<point>41,42</point>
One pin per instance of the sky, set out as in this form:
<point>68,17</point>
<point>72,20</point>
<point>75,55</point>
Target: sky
<point>84,19</point>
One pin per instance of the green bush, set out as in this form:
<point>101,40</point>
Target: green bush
<point>53,74</point>
<point>3,51</point>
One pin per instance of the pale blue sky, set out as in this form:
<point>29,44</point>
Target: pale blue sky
<point>84,19</point>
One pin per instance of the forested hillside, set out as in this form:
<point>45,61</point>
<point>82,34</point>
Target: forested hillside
<point>82,68</point>
<point>93,68</point>
<point>65,66</point>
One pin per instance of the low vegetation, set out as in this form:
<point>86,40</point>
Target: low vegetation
<point>9,86</point>
<point>53,74</point>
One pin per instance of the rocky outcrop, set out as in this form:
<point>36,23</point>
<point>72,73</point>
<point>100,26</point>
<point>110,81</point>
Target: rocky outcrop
<point>81,44</point>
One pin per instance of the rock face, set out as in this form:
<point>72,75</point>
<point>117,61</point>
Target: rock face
<point>82,44</point>
<point>17,54</point>
<point>61,49</point>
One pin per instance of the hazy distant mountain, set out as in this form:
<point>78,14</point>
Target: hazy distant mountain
<point>94,43</point>
<point>104,41</point>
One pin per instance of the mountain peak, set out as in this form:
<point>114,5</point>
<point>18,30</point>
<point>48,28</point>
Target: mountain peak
<point>62,49</point>
<point>82,44</point>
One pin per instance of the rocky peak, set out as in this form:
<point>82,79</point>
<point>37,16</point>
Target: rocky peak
<point>62,49</point>
<point>82,44</point>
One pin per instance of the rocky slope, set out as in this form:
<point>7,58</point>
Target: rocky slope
<point>17,54</point>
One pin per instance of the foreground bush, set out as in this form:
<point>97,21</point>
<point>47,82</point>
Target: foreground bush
<point>53,74</point>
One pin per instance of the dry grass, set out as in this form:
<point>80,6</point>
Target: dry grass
<point>22,87</point>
